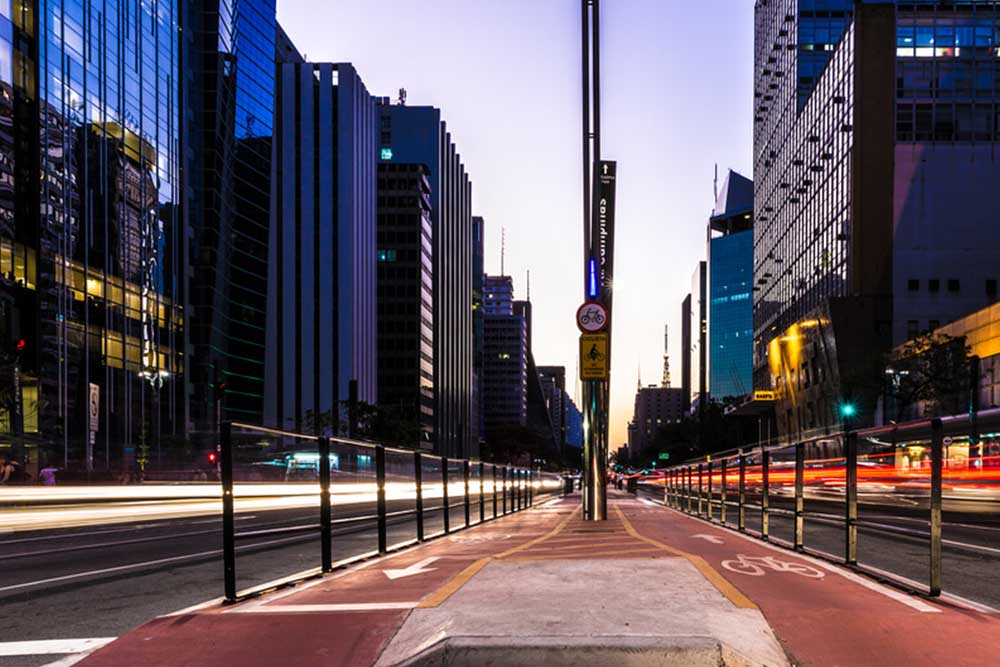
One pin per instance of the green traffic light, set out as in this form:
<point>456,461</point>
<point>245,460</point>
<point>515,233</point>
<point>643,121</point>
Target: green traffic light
<point>847,410</point>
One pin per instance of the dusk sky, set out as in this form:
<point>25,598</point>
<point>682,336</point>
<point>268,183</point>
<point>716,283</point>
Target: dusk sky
<point>677,89</point>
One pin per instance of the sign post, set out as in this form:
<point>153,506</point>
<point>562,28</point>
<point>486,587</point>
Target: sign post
<point>94,408</point>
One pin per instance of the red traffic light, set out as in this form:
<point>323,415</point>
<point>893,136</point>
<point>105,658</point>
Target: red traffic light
<point>212,456</point>
<point>21,345</point>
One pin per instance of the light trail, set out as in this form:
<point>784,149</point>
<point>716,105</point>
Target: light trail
<point>100,505</point>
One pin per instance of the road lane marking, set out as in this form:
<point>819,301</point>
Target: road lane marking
<point>732,593</point>
<point>756,566</point>
<point>714,539</point>
<point>53,646</point>
<point>898,596</point>
<point>618,553</point>
<point>411,570</point>
<point>325,608</point>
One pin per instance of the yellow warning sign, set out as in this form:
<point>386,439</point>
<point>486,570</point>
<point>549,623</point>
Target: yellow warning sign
<point>594,356</point>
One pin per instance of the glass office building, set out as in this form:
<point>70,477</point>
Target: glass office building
<point>230,96</point>
<point>90,231</point>
<point>875,195</point>
<point>730,282</point>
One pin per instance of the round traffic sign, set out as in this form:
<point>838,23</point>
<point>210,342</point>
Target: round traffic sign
<point>591,317</point>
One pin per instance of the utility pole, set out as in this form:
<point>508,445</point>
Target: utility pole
<point>598,253</point>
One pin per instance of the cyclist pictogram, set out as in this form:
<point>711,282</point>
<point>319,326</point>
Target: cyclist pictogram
<point>591,317</point>
<point>756,566</point>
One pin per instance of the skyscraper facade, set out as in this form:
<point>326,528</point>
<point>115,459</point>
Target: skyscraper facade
<point>321,304</point>
<point>229,86</point>
<point>698,323</point>
<point>505,356</point>
<point>478,314</point>
<point>730,278</point>
<point>418,135</point>
<point>874,203</point>
<point>405,296</point>
<point>686,344</point>
<point>90,233</point>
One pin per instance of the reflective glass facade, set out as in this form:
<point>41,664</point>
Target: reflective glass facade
<point>730,314</point>
<point>231,99</point>
<point>802,162</point>
<point>90,227</point>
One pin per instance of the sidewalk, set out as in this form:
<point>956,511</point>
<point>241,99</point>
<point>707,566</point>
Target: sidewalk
<point>544,587</point>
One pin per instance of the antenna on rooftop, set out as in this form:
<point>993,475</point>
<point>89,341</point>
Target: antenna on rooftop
<point>402,97</point>
<point>503,248</point>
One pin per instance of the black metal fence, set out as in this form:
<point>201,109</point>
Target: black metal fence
<point>322,488</point>
<point>805,495</point>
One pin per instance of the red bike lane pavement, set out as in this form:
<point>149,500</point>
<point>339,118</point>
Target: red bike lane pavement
<point>824,614</point>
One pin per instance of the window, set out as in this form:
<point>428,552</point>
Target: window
<point>933,324</point>
<point>991,287</point>
<point>913,284</point>
<point>912,329</point>
<point>933,285</point>
<point>953,285</point>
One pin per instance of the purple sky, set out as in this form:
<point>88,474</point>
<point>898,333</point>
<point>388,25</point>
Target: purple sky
<point>677,93</point>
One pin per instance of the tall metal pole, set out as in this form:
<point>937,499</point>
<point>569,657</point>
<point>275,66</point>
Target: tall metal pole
<point>595,392</point>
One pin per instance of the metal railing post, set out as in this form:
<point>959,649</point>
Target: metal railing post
<point>711,510</point>
<point>466,474</point>
<point>494,490</point>
<point>503,489</point>
<point>688,492</point>
<point>765,490</point>
<point>800,468</point>
<point>851,499</point>
<point>531,488</point>
<point>741,518</point>
<point>325,511</point>
<point>701,491</point>
<point>519,488</point>
<point>444,494</point>
<point>725,494</point>
<point>228,511</point>
<point>937,474</point>
<point>418,480</point>
<point>482,492</point>
<point>380,497</point>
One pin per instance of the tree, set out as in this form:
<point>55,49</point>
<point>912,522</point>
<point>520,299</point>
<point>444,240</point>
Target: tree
<point>931,371</point>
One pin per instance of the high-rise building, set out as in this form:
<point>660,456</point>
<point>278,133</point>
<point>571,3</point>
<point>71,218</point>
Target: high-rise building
<point>498,295</point>
<point>698,326</point>
<point>405,296</point>
<point>730,283</point>
<point>875,138</point>
<point>228,90</point>
<point>553,379</point>
<point>418,135</point>
<point>505,356</point>
<point>478,314</point>
<point>686,345</point>
<point>655,408</point>
<point>321,299</point>
<point>91,233</point>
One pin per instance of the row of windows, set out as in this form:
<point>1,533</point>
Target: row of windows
<point>953,284</point>
<point>942,79</point>
<point>944,121</point>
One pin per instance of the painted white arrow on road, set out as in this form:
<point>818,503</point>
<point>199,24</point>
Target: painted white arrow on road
<point>416,568</point>
<point>709,538</point>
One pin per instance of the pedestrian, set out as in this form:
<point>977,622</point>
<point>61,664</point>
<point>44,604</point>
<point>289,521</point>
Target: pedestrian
<point>47,475</point>
<point>6,470</point>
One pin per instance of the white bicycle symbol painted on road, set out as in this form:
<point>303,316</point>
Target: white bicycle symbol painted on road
<point>755,566</point>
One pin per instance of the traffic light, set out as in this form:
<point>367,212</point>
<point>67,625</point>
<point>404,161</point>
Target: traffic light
<point>21,345</point>
<point>847,410</point>
<point>212,457</point>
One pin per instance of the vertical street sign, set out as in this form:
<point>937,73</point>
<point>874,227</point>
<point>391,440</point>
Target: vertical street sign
<point>603,231</point>
<point>94,409</point>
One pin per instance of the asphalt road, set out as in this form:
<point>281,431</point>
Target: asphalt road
<point>895,540</point>
<point>101,581</point>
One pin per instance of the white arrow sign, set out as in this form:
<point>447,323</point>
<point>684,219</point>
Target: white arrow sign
<point>416,568</point>
<point>708,538</point>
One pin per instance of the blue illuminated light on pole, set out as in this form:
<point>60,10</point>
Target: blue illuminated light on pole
<point>592,282</point>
